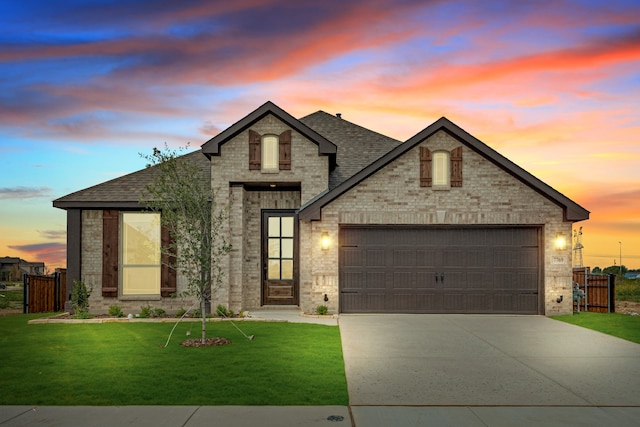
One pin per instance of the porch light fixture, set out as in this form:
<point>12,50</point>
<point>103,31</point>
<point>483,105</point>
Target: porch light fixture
<point>325,241</point>
<point>561,242</point>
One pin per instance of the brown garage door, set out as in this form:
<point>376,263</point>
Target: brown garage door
<point>440,270</point>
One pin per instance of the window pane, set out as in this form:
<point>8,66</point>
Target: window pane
<point>274,248</point>
<point>287,248</point>
<point>141,238</point>
<point>287,269</point>
<point>140,253</point>
<point>287,226</point>
<point>273,269</point>
<point>270,152</point>
<point>440,168</point>
<point>141,280</point>
<point>274,226</point>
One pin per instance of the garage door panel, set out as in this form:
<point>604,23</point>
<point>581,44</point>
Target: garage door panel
<point>485,270</point>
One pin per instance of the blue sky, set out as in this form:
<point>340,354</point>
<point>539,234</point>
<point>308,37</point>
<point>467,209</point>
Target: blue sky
<point>87,86</point>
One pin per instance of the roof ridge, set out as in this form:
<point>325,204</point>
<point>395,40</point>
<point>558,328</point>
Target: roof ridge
<point>343,120</point>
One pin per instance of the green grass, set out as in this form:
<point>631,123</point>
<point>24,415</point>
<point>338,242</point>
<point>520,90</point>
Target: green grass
<point>619,325</point>
<point>11,299</point>
<point>125,364</point>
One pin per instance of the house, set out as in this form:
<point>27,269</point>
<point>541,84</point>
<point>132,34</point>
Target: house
<point>326,212</point>
<point>13,268</point>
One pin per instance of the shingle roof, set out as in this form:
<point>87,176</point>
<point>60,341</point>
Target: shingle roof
<point>357,146</point>
<point>125,191</point>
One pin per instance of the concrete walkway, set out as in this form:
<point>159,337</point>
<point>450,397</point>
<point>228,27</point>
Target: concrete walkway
<point>427,370</point>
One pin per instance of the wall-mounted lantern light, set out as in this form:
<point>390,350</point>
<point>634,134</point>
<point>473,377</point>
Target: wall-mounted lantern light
<point>325,242</point>
<point>561,242</point>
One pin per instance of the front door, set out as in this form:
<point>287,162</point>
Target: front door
<point>279,258</point>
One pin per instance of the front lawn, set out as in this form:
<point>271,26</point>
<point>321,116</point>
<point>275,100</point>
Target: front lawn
<point>619,325</point>
<point>126,364</point>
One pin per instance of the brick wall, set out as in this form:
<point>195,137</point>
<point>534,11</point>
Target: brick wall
<point>309,171</point>
<point>488,196</point>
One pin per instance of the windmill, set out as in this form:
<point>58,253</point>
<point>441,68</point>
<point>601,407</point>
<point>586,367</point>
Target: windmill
<point>577,248</point>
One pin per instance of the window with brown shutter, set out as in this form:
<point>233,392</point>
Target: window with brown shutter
<point>110,234</point>
<point>456,167</point>
<point>425,167</point>
<point>285,150</point>
<point>254,150</point>
<point>168,281</point>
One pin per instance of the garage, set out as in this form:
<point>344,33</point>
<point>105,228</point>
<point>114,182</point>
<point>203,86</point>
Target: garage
<point>440,269</point>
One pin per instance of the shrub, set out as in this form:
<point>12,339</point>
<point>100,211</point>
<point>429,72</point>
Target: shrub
<point>115,311</point>
<point>222,311</point>
<point>181,312</point>
<point>80,299</point>
<point>628,290</point>
<point>158,312</point>
<point>145,311</point>
<point>322,310</point>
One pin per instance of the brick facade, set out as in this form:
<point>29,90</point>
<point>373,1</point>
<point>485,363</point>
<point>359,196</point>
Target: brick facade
<point>488,196</point>
<point>309,172</point>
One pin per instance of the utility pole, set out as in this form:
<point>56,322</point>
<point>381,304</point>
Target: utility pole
<point>620,260</point>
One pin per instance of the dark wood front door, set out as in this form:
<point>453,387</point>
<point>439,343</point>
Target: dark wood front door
<point>279,258</point>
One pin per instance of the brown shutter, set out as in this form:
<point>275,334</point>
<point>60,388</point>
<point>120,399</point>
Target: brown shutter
<point>254,150</point>
<point>425,167</point>
<point>285,150</point>
<point>168,282</point>
<point>456,167</point>
<point>110,237</point>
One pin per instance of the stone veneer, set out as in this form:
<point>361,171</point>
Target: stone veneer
<point>488,196</point>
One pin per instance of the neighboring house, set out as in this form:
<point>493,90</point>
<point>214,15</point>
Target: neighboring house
<point>326,212</point>
<point>13,268</point>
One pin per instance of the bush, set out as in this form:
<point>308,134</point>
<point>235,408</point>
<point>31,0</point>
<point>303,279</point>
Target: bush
<point>628,290</point>
<point>222,311</point>
<point>80,299</point>
<point>322,310</point>
<point>158,312</point>
<point>145,311</point>
<point>115,311</point>
<point>181,312</point>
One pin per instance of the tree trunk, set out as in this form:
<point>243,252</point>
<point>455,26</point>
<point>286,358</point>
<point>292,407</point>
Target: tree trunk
<point>204,319</point>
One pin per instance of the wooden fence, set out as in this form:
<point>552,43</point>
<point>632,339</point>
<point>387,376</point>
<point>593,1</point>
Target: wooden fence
<point>600,291</point>
<point>44,293</point>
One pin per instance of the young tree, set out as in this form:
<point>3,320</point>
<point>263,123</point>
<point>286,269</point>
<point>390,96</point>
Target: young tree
<point>183,196</point>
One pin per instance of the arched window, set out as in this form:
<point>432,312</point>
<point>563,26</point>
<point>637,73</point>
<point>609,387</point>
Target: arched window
<point>270,151</point>
<point>441,174</point>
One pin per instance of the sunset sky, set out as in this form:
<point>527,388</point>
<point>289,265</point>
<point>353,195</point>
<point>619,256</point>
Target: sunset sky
<point>85,86</point>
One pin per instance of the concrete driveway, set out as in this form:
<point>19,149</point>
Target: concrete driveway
<point>483,360</point>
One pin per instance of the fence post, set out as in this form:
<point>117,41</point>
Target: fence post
<point>586,293</point>
<point>611,288</point>
<point>25,294</point>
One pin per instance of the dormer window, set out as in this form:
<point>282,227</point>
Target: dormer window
<point>269,153</point>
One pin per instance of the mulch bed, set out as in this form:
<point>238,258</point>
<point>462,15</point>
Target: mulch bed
<point>209,342</point>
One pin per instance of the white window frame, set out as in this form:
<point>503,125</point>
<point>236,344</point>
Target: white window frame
<point>270,155</point>
<point>441,172</point>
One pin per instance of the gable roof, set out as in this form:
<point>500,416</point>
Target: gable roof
<point>325,147</point>
<point>572,211</point>
<point>124,192</point>
<point>357,146</point>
